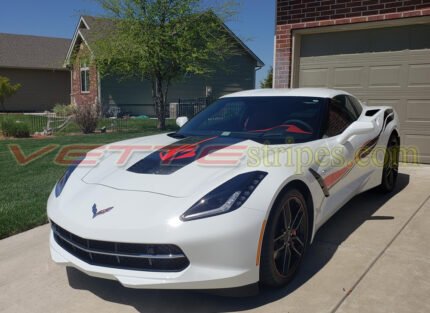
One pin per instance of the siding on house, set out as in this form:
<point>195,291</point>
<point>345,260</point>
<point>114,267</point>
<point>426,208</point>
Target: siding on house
<point>135,96</point>
<point>237,74</point>
<point>40,91</point>
<point>132,95</point>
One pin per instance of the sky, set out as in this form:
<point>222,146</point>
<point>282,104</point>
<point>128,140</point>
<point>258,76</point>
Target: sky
<point>254,22</point>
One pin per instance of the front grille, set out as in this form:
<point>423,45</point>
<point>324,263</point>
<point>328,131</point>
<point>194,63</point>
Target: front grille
<point>130,256</point>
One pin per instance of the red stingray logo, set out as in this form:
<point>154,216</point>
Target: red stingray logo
<point>182,152</point>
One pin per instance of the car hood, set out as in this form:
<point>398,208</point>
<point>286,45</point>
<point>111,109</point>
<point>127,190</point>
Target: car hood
<point>169,166</point>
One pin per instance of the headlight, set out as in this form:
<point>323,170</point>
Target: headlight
<point>226,198</point>
<point>63,180</point>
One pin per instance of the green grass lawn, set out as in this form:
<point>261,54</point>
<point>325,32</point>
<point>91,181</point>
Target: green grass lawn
<point>24,190</point>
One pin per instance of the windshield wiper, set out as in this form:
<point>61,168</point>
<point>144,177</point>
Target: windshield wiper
<point>276,132</point>
<point>176,135</point>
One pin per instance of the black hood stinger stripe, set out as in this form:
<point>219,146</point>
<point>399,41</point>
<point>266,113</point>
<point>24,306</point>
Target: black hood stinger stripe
<point>173,157</point>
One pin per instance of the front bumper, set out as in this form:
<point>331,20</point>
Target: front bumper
<point>222,253</point>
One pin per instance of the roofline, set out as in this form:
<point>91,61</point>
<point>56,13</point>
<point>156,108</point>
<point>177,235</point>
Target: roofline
<point>260,63</point>
<point>63,69</point>
<point>85,22</point>
<point>37,36</point>
<point>73,42</point>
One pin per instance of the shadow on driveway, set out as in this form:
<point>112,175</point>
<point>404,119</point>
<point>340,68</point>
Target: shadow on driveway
<point>359,210</point>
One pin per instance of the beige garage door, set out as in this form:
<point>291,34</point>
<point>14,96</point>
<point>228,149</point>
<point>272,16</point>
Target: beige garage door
<point>381,67</point>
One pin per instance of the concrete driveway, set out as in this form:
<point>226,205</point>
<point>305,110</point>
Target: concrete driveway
<point>373,256</point>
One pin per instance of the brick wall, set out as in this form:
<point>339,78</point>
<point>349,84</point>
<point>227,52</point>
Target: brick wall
<point>299,14</point>
<point>78,97</point>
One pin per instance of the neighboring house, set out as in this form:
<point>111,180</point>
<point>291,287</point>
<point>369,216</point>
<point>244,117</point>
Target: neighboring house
<point>377,50</point>
<point>134,96</point>
<point>37,64</point>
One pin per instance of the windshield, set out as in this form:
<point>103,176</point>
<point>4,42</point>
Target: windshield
<point>269,119</point>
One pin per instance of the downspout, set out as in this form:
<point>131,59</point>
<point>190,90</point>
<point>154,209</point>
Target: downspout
<point>274,47</point>
<point>70,68</point>
<point>99,90</point>
<point>256,69</point>
<point>72,100</point>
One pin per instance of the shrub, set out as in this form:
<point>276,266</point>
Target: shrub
<point>11,128</point>
<point>63,109</point>
<point>87,116</point>
<point>7,127</point>
<point>22,130</point>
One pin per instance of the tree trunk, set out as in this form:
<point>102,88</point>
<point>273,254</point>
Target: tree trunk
<point>160,98</point>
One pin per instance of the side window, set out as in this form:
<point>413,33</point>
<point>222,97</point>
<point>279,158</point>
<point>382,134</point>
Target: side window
<point>85,76</point>
<point>349,106</point>
<point>357,105</point>
<point>339,116</point>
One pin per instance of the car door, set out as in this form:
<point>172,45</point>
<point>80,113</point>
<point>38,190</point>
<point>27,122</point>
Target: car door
<point>340,176</point>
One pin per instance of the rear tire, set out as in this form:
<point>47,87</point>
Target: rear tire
<point>285,240</point>
<point>391,165</point>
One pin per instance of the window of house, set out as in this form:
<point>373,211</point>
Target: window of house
<point>85,77</point>
<point>341,114</point>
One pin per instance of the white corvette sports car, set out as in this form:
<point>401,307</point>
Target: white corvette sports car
<point>233,199</point>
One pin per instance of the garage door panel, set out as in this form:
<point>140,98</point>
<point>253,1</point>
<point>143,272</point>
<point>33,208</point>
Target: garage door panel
<point>416,148</point>
<point>349,77</point>
<point>368,59</point>
<point>419,75</point>
<point>385,76</point>
<point>314,77</point>
<point>418,110</point>
<point>381,102</point>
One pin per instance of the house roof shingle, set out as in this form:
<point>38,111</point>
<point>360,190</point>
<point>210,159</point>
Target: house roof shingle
<point>33,52</point>
<point>98,28</point>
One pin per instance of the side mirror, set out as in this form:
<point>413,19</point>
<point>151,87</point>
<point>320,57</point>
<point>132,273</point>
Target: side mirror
<point>181,121</point>
<point>356,128</point>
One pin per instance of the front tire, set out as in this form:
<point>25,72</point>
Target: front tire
<point>391,165</point>
<point>285,240</point>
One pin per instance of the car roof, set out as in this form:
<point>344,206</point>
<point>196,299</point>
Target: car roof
<point>294,92</point>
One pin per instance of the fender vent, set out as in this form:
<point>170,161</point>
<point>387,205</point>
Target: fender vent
<point>372,112</point>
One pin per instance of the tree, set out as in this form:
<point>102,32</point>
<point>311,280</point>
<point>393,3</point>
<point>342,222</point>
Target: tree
<point>162,41</point>
<point>268,81</point>
<point>7,90</point>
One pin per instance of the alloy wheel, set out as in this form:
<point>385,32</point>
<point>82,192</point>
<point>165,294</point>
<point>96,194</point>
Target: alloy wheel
<point>290,236</point>
<point>392,162</point>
